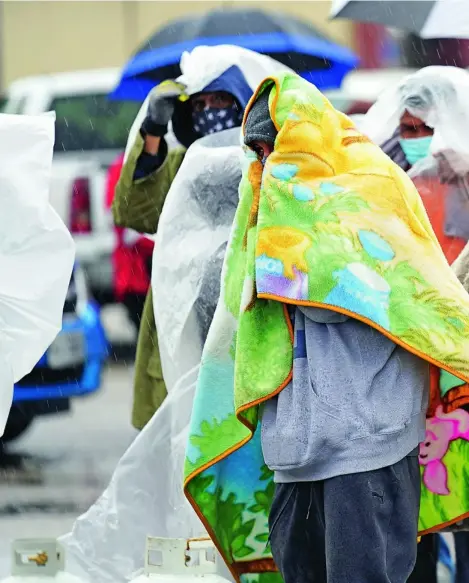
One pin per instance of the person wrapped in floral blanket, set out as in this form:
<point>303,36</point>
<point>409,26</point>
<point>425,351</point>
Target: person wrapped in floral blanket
<point>338,312</point>
<point>359,494</point>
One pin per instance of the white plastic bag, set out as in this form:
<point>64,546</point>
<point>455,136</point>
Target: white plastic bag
<point>440,97</point>
<point>36,250</point>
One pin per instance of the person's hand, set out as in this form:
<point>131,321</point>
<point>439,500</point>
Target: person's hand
<point>161,104</point>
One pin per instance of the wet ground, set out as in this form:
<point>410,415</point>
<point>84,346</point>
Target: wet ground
<point>63,463</point>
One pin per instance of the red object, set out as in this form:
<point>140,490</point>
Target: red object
<point>369,44</point>
<point>130,261</point>
<point>359,107</point>
<point>113,175</point>
<point>80,207</point>
<point>433,195</point>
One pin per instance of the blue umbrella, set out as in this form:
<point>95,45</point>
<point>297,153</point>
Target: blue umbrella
<point>281,36</point>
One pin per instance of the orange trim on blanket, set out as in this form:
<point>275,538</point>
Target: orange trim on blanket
<point>256,197</point>
<point>236,568</point>
<point>440,527</point>
<point>256,566</point>
<point>280,388</point>
<point>239,445</point>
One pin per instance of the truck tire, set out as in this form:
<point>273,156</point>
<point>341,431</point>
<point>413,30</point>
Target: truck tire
<point>18,422</point>
<point>133,304</point>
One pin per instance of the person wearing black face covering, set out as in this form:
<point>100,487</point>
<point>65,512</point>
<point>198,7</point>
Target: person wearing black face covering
<point>145,181</point>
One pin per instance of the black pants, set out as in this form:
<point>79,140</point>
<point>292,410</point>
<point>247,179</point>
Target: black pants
<point>425,570</point>
<point>358,528</point>
<point>461,543</point>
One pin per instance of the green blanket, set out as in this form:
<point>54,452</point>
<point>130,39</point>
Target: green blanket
<point>333,223</point>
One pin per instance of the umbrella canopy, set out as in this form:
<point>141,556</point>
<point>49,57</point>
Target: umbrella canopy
<point>286,39</point>
<point>427,18</point>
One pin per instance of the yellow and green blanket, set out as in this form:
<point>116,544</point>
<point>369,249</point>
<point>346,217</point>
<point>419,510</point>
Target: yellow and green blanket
<point>333,223</point>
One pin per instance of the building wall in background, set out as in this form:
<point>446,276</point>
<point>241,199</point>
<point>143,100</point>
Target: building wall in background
<point>40,37</point>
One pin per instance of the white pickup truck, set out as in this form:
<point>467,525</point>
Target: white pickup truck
<point>91,131</point>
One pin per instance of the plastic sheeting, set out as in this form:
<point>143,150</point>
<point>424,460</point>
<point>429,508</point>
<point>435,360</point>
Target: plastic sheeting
<point>36,250</point>
<point>204,64</point>
<point>145,495</point>
<point>440,97</point>
<point>437,95</point>
<point>190,246</point>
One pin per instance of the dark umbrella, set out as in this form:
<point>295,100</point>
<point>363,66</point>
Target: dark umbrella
<point>426,18</point>
<point>278,35</point>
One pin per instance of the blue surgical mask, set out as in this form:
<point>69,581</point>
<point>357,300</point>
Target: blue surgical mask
<point>415,149</point>
<point>213,119</point>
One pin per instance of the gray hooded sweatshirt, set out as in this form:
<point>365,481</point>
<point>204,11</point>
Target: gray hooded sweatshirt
<point>356,403</point>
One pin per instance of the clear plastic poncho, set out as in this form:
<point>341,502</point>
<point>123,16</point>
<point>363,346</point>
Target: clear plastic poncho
<point>437,95</point>
<point>190,247</point>
<point>145,495</point>
<point>36,250</point>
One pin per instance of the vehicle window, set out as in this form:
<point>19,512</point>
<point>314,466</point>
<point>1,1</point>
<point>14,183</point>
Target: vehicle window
<point>92,122</point>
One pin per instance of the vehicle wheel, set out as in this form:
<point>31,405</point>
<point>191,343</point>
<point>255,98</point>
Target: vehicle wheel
<point>134,303</point>
<point>18,422</point>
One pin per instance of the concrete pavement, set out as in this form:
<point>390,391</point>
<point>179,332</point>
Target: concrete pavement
<point>63,463</point>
